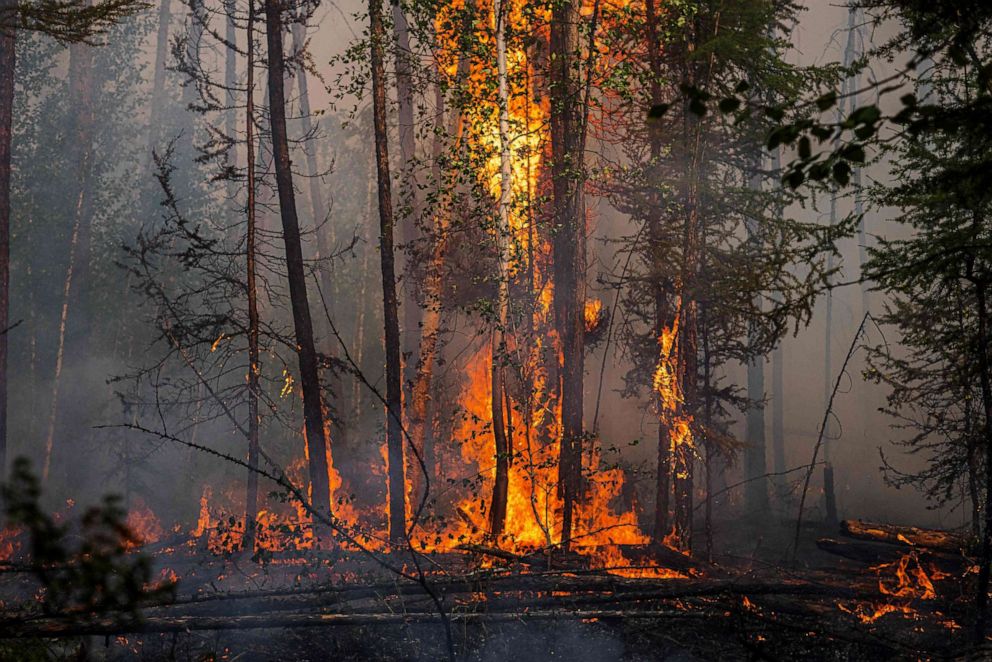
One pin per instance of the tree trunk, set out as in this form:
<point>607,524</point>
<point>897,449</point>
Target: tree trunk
<point>158,84</point>
<point>318,449</point>
<point>251,493</point>
<point>663,480</point>
<point>230,82</point>
<point>81,91</point>
<point>363,299</point>
<point>755,463</point>
<point>323,230</point>
<point>503,442</point>
<point>408,146</point>
<point>778,389</point>
<point>394,395</point>
<point>568,247</point>
<point>981,623</point>
<point>421,412</point>
<point>7,52</point>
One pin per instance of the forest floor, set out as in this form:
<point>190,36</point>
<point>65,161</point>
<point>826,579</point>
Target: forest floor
<point>750,603</point>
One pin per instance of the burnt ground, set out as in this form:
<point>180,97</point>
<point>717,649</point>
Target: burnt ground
<point>752,603</point>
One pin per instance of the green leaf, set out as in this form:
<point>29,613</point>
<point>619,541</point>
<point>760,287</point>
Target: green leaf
<point>742,87</point>
<point>865,131</point>
<point>821,133</point>
<point>865,115</point>
<point>827,101</point>
<point>697,107</point>
<point>775,113</point>
<point>854,153</point>
<point>819,171</point>
<point>842,173</point>
<point>805,149</point>
<point>729,105</point>
<point>795,178</point>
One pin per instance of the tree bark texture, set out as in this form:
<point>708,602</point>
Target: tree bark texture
<point>318,449</point>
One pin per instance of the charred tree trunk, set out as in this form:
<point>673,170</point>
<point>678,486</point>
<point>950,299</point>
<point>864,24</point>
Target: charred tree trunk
<point>81,86</point>
<point>7,57</point>
<point>568,246</point>
<point>318,449</point>
<point>984,367</point>
<point>318,214</point>
<point>687,371</point>
<point>394,395</point>
<point>980,284</point>
<point>251,496</point>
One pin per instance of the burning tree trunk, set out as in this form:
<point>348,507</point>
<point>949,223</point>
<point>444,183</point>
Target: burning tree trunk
<point>318,448</point>
<point>251,497</point>
<point>7,52</point>
<point>81,101</point>
<point>503,442</point>
<point>568,246</point>
<point>394,410</point>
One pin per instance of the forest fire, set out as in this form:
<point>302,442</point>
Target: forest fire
<point>485,334</point>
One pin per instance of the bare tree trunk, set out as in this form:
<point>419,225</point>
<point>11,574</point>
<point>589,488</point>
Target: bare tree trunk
<point>709,449</point>
<point>778,390</point>
<point>7,57</point>
<point>158,84</point>
<point>394,394</point>
<point>318,448</point>
<point>421,412</point>
<point>251,493</point>
<point>230,82</point>
<point>81,160</point>
<point>755,462</point>
<point>318,214</point>
<point>657,238</point>
<point>985,378</point>
<point>363,303</point>
<point>503,443</point>
<point>408,147</point>
<point>687,364</point>
<point>568,246</point>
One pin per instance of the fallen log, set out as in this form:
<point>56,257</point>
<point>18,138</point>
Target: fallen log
<point>664,556</point>
<point>56,627</point>
<point>553,560</point>
<point>875,553</point>
<point>907,536</point>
